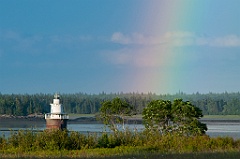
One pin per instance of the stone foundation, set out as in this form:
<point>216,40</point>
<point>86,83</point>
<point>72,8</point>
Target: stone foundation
<point>60,124</point>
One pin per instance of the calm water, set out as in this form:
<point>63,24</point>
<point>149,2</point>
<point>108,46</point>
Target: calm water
<point>231,129</point>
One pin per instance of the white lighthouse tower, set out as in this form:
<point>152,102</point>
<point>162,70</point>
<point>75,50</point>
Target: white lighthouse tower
<point>57,119</point>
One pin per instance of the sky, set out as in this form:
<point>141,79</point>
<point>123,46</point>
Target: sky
<point>112,46</point>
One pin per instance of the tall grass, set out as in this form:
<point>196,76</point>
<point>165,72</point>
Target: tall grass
<point>73,144</point>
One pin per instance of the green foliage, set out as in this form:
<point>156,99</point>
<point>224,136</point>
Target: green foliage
<point>108,141</point>
<point>103,141</point>
<point>157,115</point>
<point>22,140</point>
<point>52,140</point>
<point>73,144</point>
<point>185,118</point>
<point>177,117</point>
<point>114,112</point>
<point>77,141</point>
<point>82,103</point>
<point>3,142</point>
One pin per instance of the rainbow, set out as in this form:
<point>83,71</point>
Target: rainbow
<point>166,65</point>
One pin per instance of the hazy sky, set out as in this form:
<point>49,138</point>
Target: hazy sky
<point>91,46</point>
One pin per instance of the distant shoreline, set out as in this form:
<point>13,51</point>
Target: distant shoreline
<point>92,119</point>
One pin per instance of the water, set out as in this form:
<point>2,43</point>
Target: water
<point>215,129</point>
<point>224,129</point>
<point>101,127</point>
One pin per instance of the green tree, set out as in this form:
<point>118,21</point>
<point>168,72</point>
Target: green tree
<point>232,107</point>
<point>185,118</point>
<point>19,107</point>
<point>180,117</point>
<point>2,106</point>
<point>114,112</point>
<point>157,115</point>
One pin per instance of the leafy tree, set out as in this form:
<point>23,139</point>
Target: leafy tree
<point>180,117</point>
<point>114,112</point>
<point>185,118</point>
<point>157,115</point>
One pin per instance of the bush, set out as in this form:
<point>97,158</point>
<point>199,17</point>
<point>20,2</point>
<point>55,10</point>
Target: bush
<point>76,141</point>
<point>3,142</point>
<point>23,140</point>
<point>62,141</point>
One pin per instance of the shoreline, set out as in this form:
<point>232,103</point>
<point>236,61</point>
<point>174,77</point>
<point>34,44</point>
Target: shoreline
<point>92,119</point>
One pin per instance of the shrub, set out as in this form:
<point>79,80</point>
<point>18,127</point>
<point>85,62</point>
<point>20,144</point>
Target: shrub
<point>3,142</point>
<point>76,141</point>
<point>149,141</point>
<point>22,140</point>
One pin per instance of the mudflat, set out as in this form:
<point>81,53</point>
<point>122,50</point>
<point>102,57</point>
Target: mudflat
<point>24,122</point>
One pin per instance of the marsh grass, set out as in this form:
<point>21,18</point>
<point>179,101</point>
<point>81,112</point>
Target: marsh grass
<point>64,144</point>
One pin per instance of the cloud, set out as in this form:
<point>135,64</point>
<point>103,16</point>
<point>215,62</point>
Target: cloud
<point>10,35</point>
<point>135,38</point>
<point>176,39</point>
<point>13,41</point>
<point>138,57</point>
<point>68,39</point>
<point>226,41</point>
<point>182,38</point>
<point>157,51</point>
<point>120,38</point>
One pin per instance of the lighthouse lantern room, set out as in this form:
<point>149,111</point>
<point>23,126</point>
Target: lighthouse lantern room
<point>56,119</point>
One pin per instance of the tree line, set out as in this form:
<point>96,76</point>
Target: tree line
<point>82,103</point>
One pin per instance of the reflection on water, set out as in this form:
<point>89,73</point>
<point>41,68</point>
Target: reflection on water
<point>215,129</point>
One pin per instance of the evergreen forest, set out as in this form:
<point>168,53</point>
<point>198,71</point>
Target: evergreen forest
<point>82,103</point>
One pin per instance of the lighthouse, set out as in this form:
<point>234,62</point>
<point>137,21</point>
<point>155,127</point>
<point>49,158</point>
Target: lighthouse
<point>56,119</point>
